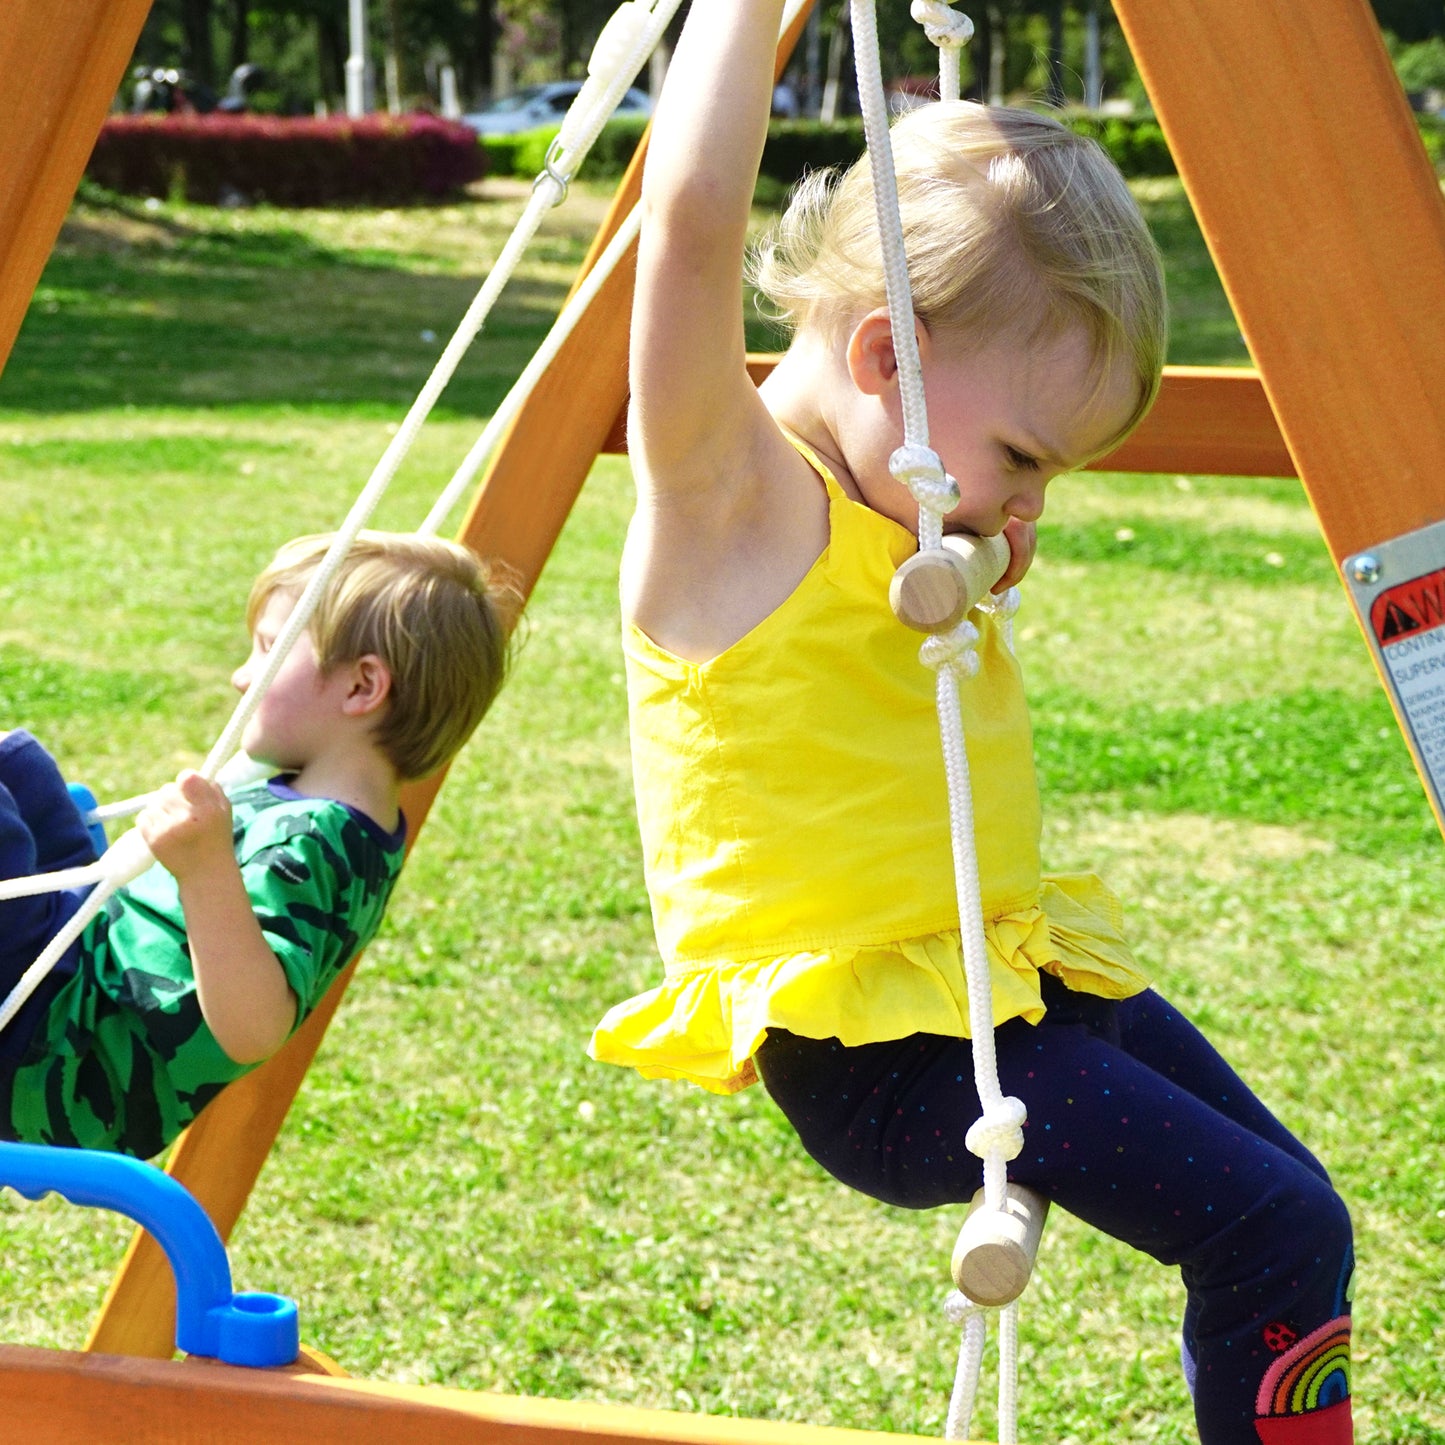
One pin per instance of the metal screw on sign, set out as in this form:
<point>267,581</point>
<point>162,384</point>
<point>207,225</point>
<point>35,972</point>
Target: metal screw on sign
<point>1366,569</point>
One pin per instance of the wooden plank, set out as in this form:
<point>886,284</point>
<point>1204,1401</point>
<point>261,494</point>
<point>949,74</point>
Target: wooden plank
<point>1327,226</point>
<point>1208,421</point>
<point>57,1396</point>
<point>1325,219</point>
<point>62,61</point>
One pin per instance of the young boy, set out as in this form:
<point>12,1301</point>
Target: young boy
<point>204,966</point>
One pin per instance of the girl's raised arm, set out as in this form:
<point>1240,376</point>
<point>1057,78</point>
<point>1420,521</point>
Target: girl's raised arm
<point>692,404</point>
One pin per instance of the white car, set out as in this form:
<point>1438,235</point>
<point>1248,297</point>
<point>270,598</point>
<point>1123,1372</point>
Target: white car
<point>539,105</point>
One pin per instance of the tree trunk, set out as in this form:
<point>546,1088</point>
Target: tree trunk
<point>833,83</point>
<point>997,53</point>
<point>980,49</point>
<point>1093,62</point>
<point>330,57</point>
<point>477,71</point>
<point>1055,58</point>
<point>393,57</point>
<point>240,32</point>
<point>200,54</point>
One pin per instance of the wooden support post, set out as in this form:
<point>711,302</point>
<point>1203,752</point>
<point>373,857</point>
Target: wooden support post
<point>1326,222</point>
<point>62,63</point>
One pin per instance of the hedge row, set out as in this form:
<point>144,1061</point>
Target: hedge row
<point>378,160</point>
<point>1136,144</point>
<point>796,146</point>
<point>387,160</point>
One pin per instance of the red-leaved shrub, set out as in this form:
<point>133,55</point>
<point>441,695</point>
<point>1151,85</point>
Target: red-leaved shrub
<point>377,160</point>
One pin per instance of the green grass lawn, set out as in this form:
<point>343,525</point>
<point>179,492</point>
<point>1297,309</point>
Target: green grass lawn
<point>460,1196</point>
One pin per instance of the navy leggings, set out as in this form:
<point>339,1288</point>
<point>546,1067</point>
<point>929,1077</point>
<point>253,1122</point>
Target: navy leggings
<point>41,831</point>
<point>1138,1127</point>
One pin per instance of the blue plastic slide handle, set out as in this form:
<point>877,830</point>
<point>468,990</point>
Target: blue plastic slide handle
<point>84,801</point>
<point>239,1329</point>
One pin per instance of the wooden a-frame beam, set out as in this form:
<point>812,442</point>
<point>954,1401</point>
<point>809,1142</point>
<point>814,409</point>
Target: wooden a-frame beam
<point>1327,225</point>
<point>62,63</point>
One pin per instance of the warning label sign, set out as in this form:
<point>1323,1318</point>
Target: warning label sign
<point>1408,622</point>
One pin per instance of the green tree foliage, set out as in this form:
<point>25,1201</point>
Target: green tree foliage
<point>1411,19</point>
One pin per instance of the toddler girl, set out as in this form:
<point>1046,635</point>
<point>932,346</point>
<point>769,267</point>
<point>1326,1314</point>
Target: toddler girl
<point>790,784</point>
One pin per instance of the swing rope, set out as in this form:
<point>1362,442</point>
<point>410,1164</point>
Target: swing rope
<point>624,45</point>
<point>997,1135</point>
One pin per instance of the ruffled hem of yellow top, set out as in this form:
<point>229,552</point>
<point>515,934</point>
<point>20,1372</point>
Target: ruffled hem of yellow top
<point>704,1026</point>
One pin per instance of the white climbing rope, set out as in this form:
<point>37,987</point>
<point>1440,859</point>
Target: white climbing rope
<point>997,1135</point>
<point>950,31</point>
<point>624,45</point>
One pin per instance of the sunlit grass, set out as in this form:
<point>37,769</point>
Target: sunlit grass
<point>460,1195</point>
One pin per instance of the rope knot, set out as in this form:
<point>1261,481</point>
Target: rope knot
<point>920,470</point>
<point>952,649</point>
<point>999,1128</point>
<point>943,25</point>
<point>958,1309</point>
<point>1004,606</point>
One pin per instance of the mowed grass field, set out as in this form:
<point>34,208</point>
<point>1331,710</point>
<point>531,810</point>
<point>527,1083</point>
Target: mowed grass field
<point>460,1196</point>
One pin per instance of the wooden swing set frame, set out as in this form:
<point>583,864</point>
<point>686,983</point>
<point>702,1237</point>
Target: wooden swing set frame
<point>1326,223</point>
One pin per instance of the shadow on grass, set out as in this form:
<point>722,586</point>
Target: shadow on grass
<point>209,318</point>
<point>1329,763</point>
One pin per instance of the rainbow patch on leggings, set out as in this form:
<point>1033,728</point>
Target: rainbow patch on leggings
<point>1314,1374</point>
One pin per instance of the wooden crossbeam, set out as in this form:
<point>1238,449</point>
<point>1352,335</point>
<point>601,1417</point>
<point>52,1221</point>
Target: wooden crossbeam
<point>1209,421</point>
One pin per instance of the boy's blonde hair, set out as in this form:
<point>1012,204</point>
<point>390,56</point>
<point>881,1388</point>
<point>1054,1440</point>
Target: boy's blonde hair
<point>1014,226</point>
<point>430,610</point>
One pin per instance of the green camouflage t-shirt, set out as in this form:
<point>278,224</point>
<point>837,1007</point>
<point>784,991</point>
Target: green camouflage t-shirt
<point>123,1059</point>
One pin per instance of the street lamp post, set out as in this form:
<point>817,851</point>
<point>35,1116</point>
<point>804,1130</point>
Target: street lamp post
<point>358,68</point>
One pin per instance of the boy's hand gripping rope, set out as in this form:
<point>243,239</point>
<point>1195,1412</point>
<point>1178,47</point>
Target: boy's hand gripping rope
<point>935,593</point>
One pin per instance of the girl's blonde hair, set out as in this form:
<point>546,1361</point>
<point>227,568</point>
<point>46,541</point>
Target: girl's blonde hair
<point>433,613</point>
<point>1014,227</point>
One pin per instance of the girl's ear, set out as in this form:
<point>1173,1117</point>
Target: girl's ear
<point>370,686</point>
<point>872,362</point>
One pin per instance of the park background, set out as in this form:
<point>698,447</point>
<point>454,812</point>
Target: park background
<point>460,1196</point>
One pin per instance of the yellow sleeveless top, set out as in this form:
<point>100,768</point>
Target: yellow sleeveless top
<point>794,818</point>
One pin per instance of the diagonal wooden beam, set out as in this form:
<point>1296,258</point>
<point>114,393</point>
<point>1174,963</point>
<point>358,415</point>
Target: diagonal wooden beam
<point>1326,222</point>
<point>62,63</point>
<point>1327,225</point>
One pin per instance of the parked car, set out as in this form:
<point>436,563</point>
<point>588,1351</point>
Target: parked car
<point>538,105</point>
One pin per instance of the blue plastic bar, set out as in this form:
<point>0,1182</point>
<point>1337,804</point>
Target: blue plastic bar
<point>240,1329</point>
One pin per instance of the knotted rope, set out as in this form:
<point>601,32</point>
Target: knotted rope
<point>997,1136</point>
